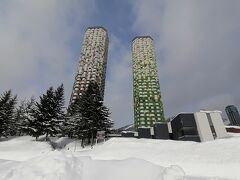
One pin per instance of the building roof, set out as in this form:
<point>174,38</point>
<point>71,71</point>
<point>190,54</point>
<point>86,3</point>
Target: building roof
<point>137,37</point>
<point>97,27</point>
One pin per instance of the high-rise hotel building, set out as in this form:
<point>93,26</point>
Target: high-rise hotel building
<point>92,61</point>
<point>148,107</point>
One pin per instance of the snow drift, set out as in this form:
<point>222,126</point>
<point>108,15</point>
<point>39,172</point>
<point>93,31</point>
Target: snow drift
<point>64,166</point>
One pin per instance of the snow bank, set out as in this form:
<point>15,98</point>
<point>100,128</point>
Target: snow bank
<point>219,158</point>
<point>22,148</point>
<point>65,166</point>
<point>52,166</point>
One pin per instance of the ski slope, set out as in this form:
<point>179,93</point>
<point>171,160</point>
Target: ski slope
<point>121,158</point>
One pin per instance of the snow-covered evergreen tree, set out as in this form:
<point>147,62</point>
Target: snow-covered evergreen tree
<point>97,114</point>
<point>19,116</point>
<point>7,105</point>
<point>75,126</point>
<point>49,112</point>
<point>59,101</point>
<point>106,122</point>
<point>25,116</point>
<point>89,113</point>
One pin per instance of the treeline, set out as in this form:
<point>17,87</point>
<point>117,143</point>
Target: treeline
<point>48,116</point>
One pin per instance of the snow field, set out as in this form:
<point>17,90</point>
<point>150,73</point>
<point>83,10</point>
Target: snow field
<point>120,158</point>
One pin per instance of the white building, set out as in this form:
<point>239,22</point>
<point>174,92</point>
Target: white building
<point>210,125</point>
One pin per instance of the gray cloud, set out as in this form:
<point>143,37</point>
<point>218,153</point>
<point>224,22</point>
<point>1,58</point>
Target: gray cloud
<point>118,95</point>
<point>197,45</point>
<point>35,47</point>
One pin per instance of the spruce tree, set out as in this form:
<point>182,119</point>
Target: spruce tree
<point>106,123</point>
<point>59,100</point>
<point>26,117</point>
<point>49,112</point>
<point>75,125</point>
<point>7,122</point>
<point>90,114</point>
<point>59,108</point>
<point>31,125</point>
<point>19,116</point>
<point>98,113</point>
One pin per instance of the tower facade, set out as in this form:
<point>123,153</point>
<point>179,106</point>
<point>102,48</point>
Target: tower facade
<point>233,115</point>
<point>148,107</point>
<point>92,62</point>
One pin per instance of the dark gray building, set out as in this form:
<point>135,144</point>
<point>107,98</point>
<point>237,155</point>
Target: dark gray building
<point>184,127</point>
<point>233,115</point>
<point>199,126</point>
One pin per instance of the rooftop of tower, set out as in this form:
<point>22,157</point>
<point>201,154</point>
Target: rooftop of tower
<point>97,27</point>
<point>137,37</point>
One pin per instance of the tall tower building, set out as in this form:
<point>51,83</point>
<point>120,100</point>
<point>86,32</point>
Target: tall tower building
<point>148,107</point>
<point>233,115</point>
<point>92,61</point>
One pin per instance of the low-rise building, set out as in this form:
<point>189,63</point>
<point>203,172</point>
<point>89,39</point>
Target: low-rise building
<point>199,126</point>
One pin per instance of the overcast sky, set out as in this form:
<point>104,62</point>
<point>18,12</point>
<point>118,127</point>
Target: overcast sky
<point>197,46</point>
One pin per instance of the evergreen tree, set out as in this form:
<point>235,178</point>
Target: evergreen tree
<point>60,114</point>
<point>59,101</point>
<point>89,113</point>
<point>75,126</point>
<point>106,123</point>
<point>19,116</point>
<point>31,125</point>
<point>7,105</point>
<point>26,117</point>
<point>49,112</point>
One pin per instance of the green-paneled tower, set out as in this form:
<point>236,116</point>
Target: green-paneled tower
<point>148,107</point>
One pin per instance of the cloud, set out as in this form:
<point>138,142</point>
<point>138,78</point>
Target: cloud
<point>36,44</point>
<point>215,102</point>
<point>118,94</point>
<point>197,44</point>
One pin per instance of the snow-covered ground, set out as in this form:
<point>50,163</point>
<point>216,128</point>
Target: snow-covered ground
<point>23,158</point>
